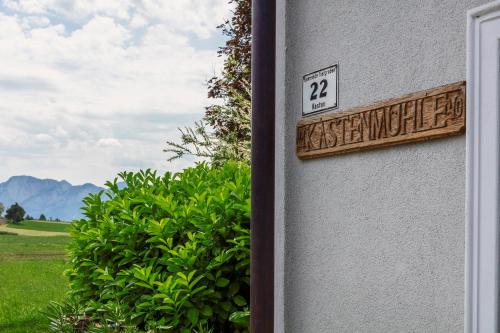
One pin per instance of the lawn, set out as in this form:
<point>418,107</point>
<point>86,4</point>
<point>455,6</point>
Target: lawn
<point>42,226</point>
<point>31,275</point>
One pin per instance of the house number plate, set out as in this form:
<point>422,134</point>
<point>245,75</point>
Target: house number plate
<point>320,91</point>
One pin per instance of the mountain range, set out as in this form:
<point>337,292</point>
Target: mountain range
<point>54,199</point>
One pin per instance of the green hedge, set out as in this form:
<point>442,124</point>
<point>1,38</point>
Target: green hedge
<point>171,252</point>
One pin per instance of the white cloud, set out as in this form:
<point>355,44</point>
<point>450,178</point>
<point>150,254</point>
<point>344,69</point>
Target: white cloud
<point>27,6</point>
<point>138,21</point>
<point>108,142</point>
<point>86,99</point>
<point>30,22</point>
<point>200,17</point>
<point>44,139</point>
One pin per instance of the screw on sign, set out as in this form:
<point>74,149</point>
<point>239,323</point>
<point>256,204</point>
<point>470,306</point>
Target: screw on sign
<point>319,91</point>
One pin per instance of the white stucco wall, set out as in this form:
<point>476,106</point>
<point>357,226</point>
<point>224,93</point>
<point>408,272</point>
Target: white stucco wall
<point>370,241</point>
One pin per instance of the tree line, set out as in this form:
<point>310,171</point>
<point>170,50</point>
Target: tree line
<point>15,214</point>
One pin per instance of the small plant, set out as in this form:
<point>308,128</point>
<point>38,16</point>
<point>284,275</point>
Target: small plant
<point>67,317</point>
<point>166,253</point>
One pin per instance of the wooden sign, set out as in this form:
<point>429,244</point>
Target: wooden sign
<point>419,116</point>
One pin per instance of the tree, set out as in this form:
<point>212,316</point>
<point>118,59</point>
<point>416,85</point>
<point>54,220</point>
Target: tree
<point>2,208</point>
<point>225,131</point>
<point>42,218</point>
<point>15,213</point>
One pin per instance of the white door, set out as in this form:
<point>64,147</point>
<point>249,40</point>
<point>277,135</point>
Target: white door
<point>483,168</point>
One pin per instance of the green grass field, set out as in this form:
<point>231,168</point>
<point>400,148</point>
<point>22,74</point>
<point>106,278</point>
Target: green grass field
<point>31,275</point>
<point>42,226</point>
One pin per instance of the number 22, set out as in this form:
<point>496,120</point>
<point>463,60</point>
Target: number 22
<point>315,86</point>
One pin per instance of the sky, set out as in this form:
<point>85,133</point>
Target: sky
<point>89,88</point>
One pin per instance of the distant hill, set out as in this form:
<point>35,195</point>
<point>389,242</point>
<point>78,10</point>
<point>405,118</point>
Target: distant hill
<point>55,199</point>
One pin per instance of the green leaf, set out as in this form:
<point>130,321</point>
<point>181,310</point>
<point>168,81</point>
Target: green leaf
<point>233,289</point>
<point>193,315</point>
<point>226,306</point>
<point>241,318</point>
<point>239,300</point>
<point>222,282</point>
<point>206,311</point>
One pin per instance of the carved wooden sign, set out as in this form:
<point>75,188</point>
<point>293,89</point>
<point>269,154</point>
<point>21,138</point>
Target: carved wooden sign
<point>419,116</point>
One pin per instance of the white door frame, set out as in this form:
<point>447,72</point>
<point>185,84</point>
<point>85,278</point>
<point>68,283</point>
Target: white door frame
<point>483,168</point>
